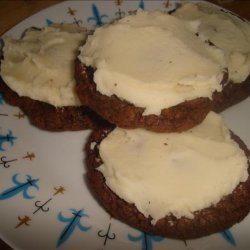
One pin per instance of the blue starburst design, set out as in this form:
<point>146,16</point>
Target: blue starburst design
<point>1,99</point>
<point>141,4</point>
<point>146,240</point>
<point>228,236</point>
<point>20,188</point>
<point>9,137</point>
<point>73,222</point>
<point>97,18</point>
<point>49,22</point>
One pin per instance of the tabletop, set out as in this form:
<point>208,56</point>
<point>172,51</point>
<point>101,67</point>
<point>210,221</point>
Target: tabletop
<point>14,11</point>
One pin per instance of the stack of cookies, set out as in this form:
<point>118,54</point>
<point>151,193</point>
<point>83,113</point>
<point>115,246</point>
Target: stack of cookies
<point>37,74</point>
<point>159,158</point>
<point>230,33</point>
<point>168,166</point>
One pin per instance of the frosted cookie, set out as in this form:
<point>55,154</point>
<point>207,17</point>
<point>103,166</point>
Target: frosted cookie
<point>46,116</point>
<point>230,33</point>
<point>38,76</point>
<point>179,185</point>
<point>149,70</point>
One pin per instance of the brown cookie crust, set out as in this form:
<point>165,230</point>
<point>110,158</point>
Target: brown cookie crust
<point>228,211</point>
<point>232,94</point>
<point>174,119</point>
<point>48,117</point>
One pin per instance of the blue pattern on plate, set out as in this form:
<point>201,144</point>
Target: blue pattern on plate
<point>146,240</point>
<point>49,22</point>
<point>97,17</point>
<point>20,187</point>
<point>228,236</point>
<point>9,137</point>
<point>141,4</point>
<point>72,223</point>
<point>1,99</point>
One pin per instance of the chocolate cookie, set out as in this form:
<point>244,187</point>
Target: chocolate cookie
<point>48,117</point>
<point>229,210</point>
<point>216,26</point>
<point>231,94</point>
<point>174,119</point>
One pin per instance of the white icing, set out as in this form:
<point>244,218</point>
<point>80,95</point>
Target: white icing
<point>152,61</point>
<point>178,173</point>
<point>224,30</point>
<point>41,64</point>
<point>92,145</point>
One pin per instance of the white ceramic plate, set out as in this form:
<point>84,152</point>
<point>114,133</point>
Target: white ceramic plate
<point>57,210</point>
